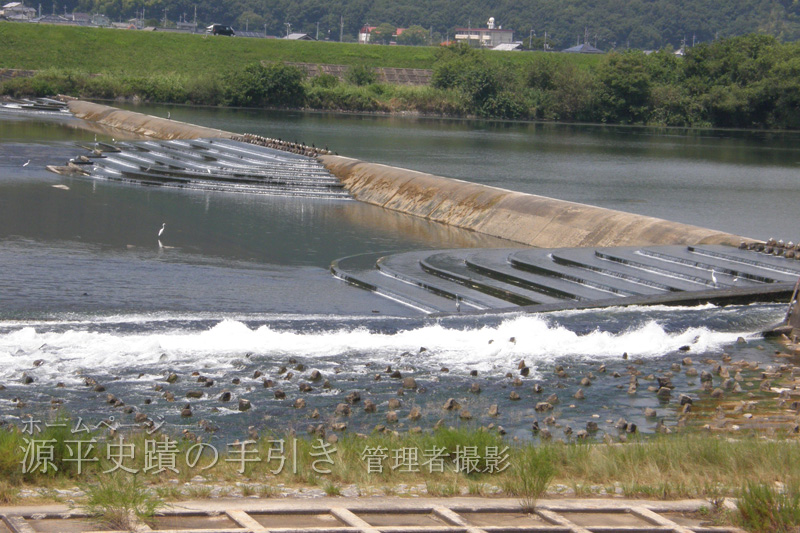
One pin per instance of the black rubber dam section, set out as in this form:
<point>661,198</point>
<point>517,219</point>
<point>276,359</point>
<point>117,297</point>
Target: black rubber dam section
<point>468,280</point>
<point>206,164</point>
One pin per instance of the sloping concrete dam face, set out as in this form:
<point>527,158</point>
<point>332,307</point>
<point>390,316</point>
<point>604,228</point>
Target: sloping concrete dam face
<point>525,218</point>
<point>141,124</point>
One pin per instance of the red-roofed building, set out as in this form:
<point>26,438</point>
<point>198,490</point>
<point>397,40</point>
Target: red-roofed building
<point>365,32</point>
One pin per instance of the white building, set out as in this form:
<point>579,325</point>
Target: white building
<point>488,37</point>
<point>18,11</point>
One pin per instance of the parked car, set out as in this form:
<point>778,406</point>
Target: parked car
<point>220,29</point>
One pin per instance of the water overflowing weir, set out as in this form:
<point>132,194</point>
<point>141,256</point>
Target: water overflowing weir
<point>578,263</point>
<point>207,164</point>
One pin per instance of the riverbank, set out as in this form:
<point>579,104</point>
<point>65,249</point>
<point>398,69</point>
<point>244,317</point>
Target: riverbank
<point>743,82</point>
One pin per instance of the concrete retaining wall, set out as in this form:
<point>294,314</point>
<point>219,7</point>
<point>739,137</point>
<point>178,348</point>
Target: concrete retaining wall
<point>524,218</point>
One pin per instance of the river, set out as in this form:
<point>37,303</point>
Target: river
<point>241,286</point>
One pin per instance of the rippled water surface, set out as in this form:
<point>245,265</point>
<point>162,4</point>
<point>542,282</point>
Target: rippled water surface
<point>241,287</point>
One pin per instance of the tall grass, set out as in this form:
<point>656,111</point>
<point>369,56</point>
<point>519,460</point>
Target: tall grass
<point>531,475</point>
<point>118,500</point>
<point>764,508</point>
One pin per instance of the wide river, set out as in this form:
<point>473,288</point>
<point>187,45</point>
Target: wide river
<point>241,285</point>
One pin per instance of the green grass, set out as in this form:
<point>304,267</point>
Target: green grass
<point>138,53</point>
<point>664,467</point>
<point>531,474</point>
<point>765,508</point>
<point>114,500</point>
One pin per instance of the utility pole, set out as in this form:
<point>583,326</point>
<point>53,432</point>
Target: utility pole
<point>165,17</point>
<point>195,17</point>
<point>341,27</point>
<point>247,24</point>
<point>530,40</point>
<point>544,47</point>
<point>317,37</point>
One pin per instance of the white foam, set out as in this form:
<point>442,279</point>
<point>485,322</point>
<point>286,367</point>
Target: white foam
<point>223,346</point>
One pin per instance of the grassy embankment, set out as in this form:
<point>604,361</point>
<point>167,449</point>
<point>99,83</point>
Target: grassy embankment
<point>751,81</point>
<point>182,68</point>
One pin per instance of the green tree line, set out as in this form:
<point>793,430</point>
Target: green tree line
<point>643,24</point>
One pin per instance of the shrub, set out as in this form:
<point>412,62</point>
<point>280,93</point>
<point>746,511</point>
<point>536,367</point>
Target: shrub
<point>325,80</point>
<point>361,75</point>
<point>272,85</point>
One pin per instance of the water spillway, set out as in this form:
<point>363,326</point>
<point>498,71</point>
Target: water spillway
<point>542,279</point>
<point>207,164</point>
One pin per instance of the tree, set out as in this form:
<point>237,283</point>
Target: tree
<point>624,91</point>
<point>250,21</point>
<point>383,34</point>
<point>413,36</point>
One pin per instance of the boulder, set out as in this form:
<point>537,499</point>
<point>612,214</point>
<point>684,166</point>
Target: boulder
<point>451,405</point>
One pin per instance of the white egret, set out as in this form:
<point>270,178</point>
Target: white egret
<point>714,277</point>
<point>162,229</point>
<point>26,163</point>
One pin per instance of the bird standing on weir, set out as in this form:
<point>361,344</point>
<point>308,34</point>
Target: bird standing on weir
<point>162,229</point>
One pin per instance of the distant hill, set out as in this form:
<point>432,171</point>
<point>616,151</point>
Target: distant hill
<point>645,24</point>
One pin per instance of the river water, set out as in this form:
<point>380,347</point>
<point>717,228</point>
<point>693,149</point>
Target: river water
<point>241,286</point>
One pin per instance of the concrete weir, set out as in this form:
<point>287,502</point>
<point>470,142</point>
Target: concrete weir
<point>141,124</point>
<point>524,218</point>
<point>519,217</point>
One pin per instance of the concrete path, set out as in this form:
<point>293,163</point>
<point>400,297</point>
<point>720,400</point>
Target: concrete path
<point>390,515</point>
